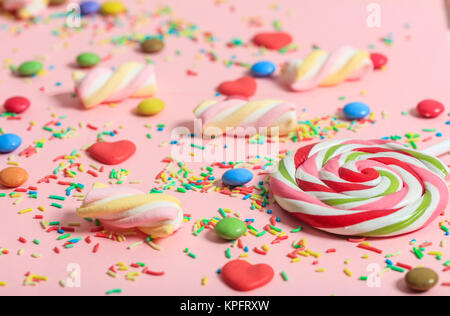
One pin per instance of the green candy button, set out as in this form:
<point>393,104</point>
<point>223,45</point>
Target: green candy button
<point>230,228</point>
<point>88,60</point>
<point>29,68</point>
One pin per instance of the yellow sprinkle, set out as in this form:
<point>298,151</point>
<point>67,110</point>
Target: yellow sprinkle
<point>265,247</point>
<point>153,245</point>
<point>36,255</point>
<point>348,272</point>
<point>14,163</point>
<point>296,260</point>
<point>435,253</point>
<point>21,251</point>
<point>27,210</point>
<point>41,208</point>
<point>3,284</point>
<point>204,280</point>
<point>314,254</point>
<point>302,253</point>
<point>243,255</point>
<point>365,257</point>
<point>273,232</point>
<point>347,261</point>
<point>320,270</point>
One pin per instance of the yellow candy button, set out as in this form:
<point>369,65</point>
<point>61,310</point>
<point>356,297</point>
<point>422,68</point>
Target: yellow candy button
<point>150,106</point>
<point>113,8</point>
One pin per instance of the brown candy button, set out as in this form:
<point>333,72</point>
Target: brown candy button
<point>13,177</point>
<point>152,45</point>
<point>421,279</point>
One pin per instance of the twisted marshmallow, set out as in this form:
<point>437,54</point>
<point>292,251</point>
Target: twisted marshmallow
<point>322,69</point>
<point>157,215</point>
<point>362,188</point>
<point>236,112</point>
<point>103,85</point>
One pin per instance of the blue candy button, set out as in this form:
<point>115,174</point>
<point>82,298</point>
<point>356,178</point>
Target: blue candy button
<point>263,69</point>
<point>238,176</point>
<point>9,142</point>
<point>356,110</point>
<point>89,7</point>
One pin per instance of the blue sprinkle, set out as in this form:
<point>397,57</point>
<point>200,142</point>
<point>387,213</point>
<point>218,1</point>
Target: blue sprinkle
<point>278,219</point>
<point>246,249</point>
<point>439,134</point>
<point>269,211</point>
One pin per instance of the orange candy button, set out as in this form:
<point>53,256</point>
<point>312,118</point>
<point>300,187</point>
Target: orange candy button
<point>13,177</point>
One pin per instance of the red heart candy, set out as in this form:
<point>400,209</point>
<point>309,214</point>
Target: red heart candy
<point>245,86</point>
<point>243,276</point>
<point>112,153</point>
<point>378,60</point>
<point>272,40</point>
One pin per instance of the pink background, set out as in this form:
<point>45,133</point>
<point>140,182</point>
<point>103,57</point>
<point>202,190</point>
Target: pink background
<point>418,68</point>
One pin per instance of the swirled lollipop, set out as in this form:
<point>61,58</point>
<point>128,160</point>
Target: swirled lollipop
<point>361,188</point>
<point>158,215</point>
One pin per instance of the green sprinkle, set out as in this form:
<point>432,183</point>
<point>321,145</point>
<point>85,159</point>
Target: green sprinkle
<point>222,212</point>
<point>284,275</point>
<point>114,291</point>
<point>398,269</point>
<point>97,222</point>
<point>276,228</point>
<point>418,253</point>
<point>429,130</point>
<point>56,197</point>
<point>37,242</point>
<point>181,189</point>
<point>2,194</point>
<point>64,236</point>
<point>149,136</point>
<point>261,233</point>
<point>297,229</point>
<point>447,263</point>
<point>363,278</point>
<point>56,205</point>
<point>54,223</point>
<point>192,255</point>
<point>252,228</point>
<point>198,146</point>
<point>444,228</point>
<point>228,254</point>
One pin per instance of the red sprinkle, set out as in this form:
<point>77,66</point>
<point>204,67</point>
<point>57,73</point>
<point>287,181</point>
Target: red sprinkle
<point>362,246</point>
<point>96,248</point>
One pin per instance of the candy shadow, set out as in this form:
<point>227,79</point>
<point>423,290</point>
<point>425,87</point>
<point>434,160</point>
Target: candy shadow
<point>402,287</point>
<point>213,237</point>
<point>66,100</point>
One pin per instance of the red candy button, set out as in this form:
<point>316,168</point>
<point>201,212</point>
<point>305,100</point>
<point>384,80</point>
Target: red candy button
<point>272,40</point>
<point>378,60</point>
<point>17,104</point>
<point>112,153</point>
<point>243,276</point>
<point>430,108</point>
<point>244,87</point>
